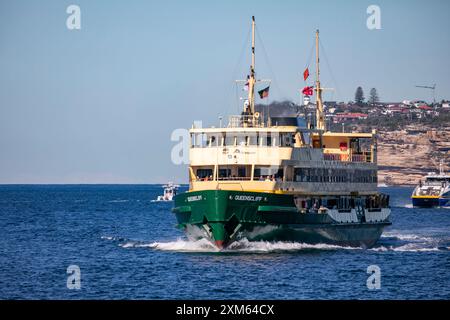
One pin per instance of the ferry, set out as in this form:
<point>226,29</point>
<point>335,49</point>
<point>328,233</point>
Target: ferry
<point>434,192</point>
<point>272,179</point>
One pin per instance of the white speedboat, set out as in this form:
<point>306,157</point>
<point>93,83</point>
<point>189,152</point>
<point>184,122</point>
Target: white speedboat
<point>170,190</point>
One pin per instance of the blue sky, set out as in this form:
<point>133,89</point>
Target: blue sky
<point>98,105</point>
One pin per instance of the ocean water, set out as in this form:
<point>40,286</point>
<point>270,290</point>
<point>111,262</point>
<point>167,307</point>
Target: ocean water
<point>127,247</point>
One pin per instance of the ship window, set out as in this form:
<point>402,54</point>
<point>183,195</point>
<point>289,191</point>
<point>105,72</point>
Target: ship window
<point>275,140</point>
<point>203,174</point>
<point>224,173</point>
<point>306,137</point>
<point>355,146</point>
<point>316,175</point>
<point>302,175</point>
<point>242,140</point>
<point>253,140</point>
<point>214,140</point>
<point>332,203</point>
<point>241,172</point>
<point>437,179</point>
<point>230,141</point>
<point>298,174</point>
<point>286,139</point>
<point>199,140</point>
<point>269,139</point>
<point>268,173</point>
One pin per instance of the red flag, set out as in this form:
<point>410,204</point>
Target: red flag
<point>305,74</point>
<point>307,91</point>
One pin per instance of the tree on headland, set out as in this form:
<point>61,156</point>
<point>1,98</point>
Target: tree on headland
<point>373,98</point>
<point>359,96</point>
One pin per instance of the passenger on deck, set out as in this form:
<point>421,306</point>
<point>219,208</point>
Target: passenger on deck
<point>316,204</point>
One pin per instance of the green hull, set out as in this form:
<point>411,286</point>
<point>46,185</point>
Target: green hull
<point>225,216</point>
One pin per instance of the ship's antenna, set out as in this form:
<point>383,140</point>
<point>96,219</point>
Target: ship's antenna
<point>319,108</point>
<point>251,80</point>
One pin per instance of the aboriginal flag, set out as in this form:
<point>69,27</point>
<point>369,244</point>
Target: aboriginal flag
<point>264,93</point>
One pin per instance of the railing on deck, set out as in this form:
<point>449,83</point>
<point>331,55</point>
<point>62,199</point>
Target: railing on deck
<point>344,157</point>
<point>334,156</point>
<point>234,178</point>
<point>263,178</point>
<point>245,121</point>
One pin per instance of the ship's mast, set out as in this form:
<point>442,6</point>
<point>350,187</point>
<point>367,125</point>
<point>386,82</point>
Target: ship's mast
<point>251,80</point>
<point>320,122</point>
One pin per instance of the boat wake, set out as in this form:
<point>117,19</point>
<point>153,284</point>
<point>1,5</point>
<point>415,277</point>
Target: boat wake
<point>390,241</point>
<point>241,246</point>
<point>406,242</point>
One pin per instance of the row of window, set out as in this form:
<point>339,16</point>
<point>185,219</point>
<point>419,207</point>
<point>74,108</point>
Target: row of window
<point>242,172</point>
<point>300,174</point>
<point>203,140</point>
<point>343,202</point>
<point>334,175</point>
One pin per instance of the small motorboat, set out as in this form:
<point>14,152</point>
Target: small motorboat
<point>170,190</point>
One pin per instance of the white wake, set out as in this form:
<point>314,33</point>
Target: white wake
<point>409,242</point>
<point>240,246</point>
<point>390,241</point>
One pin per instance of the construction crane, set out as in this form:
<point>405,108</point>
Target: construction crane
<point>431,88</point>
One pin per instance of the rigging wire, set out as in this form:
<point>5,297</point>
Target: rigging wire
<point>236,97</point>
<point>235,70</point>
<point>307,66</point>
<point>333,79</point>
<point>241,55</point>
<point>268,63</point>
<point>310,56</point>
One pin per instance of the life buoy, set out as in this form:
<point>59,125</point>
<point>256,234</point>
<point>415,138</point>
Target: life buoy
<point>256,115</point>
